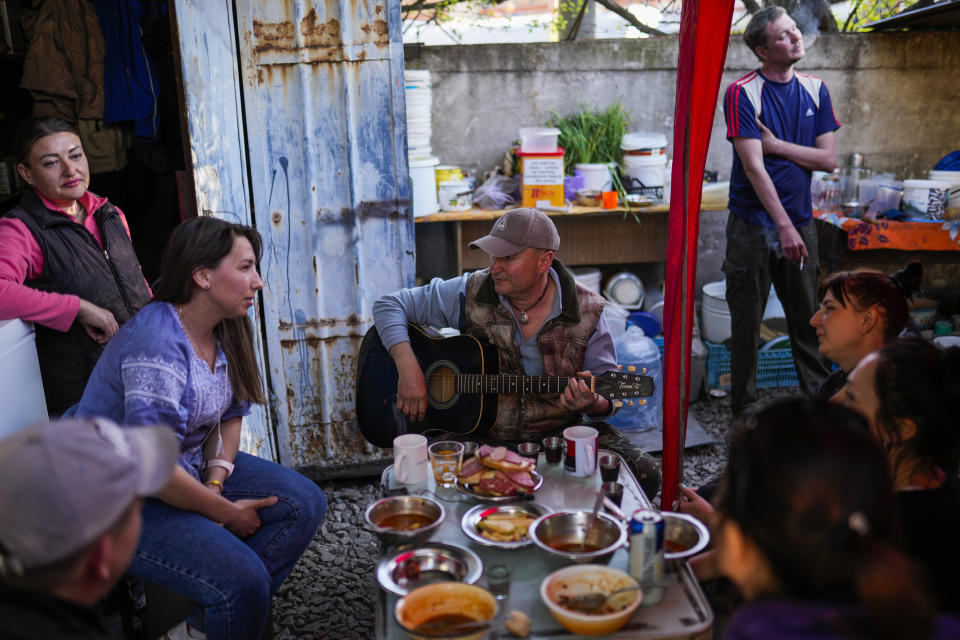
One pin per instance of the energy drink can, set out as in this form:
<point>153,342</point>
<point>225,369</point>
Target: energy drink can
<point>646,553</point>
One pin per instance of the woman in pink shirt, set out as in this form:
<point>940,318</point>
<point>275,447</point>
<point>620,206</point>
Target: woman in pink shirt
<point>67,263</point>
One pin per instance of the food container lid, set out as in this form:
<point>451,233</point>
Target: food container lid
<point>642,140</point>
<point>539,131</point>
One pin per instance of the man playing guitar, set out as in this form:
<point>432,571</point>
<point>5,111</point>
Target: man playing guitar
<point>529,306</point>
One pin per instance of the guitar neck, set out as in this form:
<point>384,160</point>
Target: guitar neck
<point>505,383</point>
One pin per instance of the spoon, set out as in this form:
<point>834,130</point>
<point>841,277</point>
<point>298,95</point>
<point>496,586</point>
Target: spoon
<point>588,602</point>
<point>593,519</point>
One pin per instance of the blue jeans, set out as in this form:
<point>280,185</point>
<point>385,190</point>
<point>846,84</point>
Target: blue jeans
<point>230,579</point>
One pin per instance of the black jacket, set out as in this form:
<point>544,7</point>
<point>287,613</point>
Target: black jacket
<point>74,263</point>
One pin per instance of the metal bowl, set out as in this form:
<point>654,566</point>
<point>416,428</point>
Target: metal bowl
<point>854,209</point>
<point>417,507</point>
<point>589,198</point>
<point>684,535</point>
<point>406,570</point>
<point>560,534</point>
<point>473,516</point>
<point>440,599</point>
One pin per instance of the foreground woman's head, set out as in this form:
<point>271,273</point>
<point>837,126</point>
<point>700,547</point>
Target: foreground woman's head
<point>807,513</point>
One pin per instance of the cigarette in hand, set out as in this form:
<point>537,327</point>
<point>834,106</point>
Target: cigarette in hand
<point>801,262</point>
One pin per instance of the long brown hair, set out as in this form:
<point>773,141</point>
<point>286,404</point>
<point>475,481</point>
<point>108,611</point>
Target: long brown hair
<point>205,242</point>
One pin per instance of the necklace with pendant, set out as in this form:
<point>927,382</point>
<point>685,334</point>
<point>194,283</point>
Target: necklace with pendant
<point>523,317</point>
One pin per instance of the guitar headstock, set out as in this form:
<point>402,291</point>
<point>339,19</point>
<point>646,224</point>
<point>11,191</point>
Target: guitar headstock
<point>616,385</point>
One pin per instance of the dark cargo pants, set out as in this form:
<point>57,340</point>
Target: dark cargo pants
<point>753,261</point>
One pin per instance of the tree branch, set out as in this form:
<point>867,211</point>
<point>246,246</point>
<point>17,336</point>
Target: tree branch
<point>629,17</point>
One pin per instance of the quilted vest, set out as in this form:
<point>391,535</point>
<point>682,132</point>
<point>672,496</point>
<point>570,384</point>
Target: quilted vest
<point>562,342</point>
<point>74,263</point>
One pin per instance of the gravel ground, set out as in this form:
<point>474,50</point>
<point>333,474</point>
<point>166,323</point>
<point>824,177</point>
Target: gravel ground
<point>331,592</point>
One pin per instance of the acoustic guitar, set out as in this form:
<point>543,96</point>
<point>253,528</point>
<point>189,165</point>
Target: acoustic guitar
<point>463,386</point>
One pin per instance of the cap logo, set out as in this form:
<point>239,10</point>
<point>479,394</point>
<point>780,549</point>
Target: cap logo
<point>112,434</point>
<point>502,224</point>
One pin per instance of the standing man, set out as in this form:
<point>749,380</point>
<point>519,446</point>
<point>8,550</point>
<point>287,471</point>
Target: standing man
<point>781,124</point>
<point>70,495</point>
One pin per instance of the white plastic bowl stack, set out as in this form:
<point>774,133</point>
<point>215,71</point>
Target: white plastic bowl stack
<point>419,99</point>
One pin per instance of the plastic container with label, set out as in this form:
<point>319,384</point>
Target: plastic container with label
<point>542,178</point>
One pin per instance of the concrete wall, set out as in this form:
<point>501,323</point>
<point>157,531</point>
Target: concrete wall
<point>896,95</point>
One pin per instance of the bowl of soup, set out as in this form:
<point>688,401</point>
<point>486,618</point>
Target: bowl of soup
<point>683,535</point>
<point>578,580</point>
<point>451,610</point>
<point>565,534</point>
<point>404,519</point>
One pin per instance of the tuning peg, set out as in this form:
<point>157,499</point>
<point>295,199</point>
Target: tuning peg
<point>629,403</point>
<point>619,367</point>
<point>641,402</point>
<point>631,368</point>
<point>618,403</point>
<point>643,371</point>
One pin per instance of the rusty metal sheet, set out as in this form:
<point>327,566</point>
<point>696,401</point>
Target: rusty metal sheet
<point>324,114</point>
<point>207,47</point>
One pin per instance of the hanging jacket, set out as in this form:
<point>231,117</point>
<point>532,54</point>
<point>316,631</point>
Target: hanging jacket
<point>63,69</point>
<point>74,263</point>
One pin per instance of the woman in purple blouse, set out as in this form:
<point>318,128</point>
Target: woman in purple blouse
<point>230,526</point>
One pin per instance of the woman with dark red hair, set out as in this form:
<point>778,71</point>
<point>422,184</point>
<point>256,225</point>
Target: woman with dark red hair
<point>860,311</point>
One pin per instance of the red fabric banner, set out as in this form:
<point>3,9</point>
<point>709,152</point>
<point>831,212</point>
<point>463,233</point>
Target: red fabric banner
<point>704,35</point>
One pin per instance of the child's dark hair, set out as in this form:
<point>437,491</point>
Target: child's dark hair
<point>811,487</point>
<point>864,288</point>
<point>915,380</point>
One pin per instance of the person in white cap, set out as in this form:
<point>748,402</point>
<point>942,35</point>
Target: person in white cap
<point>71,493</point>
<point>530,307</point>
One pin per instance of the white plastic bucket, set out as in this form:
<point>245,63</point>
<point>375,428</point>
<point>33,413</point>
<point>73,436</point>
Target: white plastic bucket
<point>925,199</point>
<point>455,195</point>
<point>596,176</point>
<point>648,171</point>
<point>640,143</point>
<point>714,312</point>
<point>424,185</point>
<point>21,388</point>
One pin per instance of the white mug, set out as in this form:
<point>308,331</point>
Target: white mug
<point>410,458</point>
<point>580,451</point>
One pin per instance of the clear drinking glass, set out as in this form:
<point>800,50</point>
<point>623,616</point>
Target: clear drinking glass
<point>498,581</point>
<point>445,459</point>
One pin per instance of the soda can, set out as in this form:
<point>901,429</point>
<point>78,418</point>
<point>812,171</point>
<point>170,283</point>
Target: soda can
<point>646,553</point>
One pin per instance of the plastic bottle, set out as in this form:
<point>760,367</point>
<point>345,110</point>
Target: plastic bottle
<point>637,350</point>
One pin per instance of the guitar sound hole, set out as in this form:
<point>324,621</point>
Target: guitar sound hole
<point>440,384</point>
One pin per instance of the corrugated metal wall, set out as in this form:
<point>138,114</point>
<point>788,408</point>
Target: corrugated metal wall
<point>218,151</point>
<point>322,84</point>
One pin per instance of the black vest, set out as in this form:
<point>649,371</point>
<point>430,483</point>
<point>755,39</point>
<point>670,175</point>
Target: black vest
<point>75,264</point>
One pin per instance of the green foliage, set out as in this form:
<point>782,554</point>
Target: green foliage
<point>863,12</point>
<point>591,135</point>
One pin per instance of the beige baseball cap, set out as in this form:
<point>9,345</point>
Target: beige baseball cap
<point>65,483</point>
<point>519,229</point>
